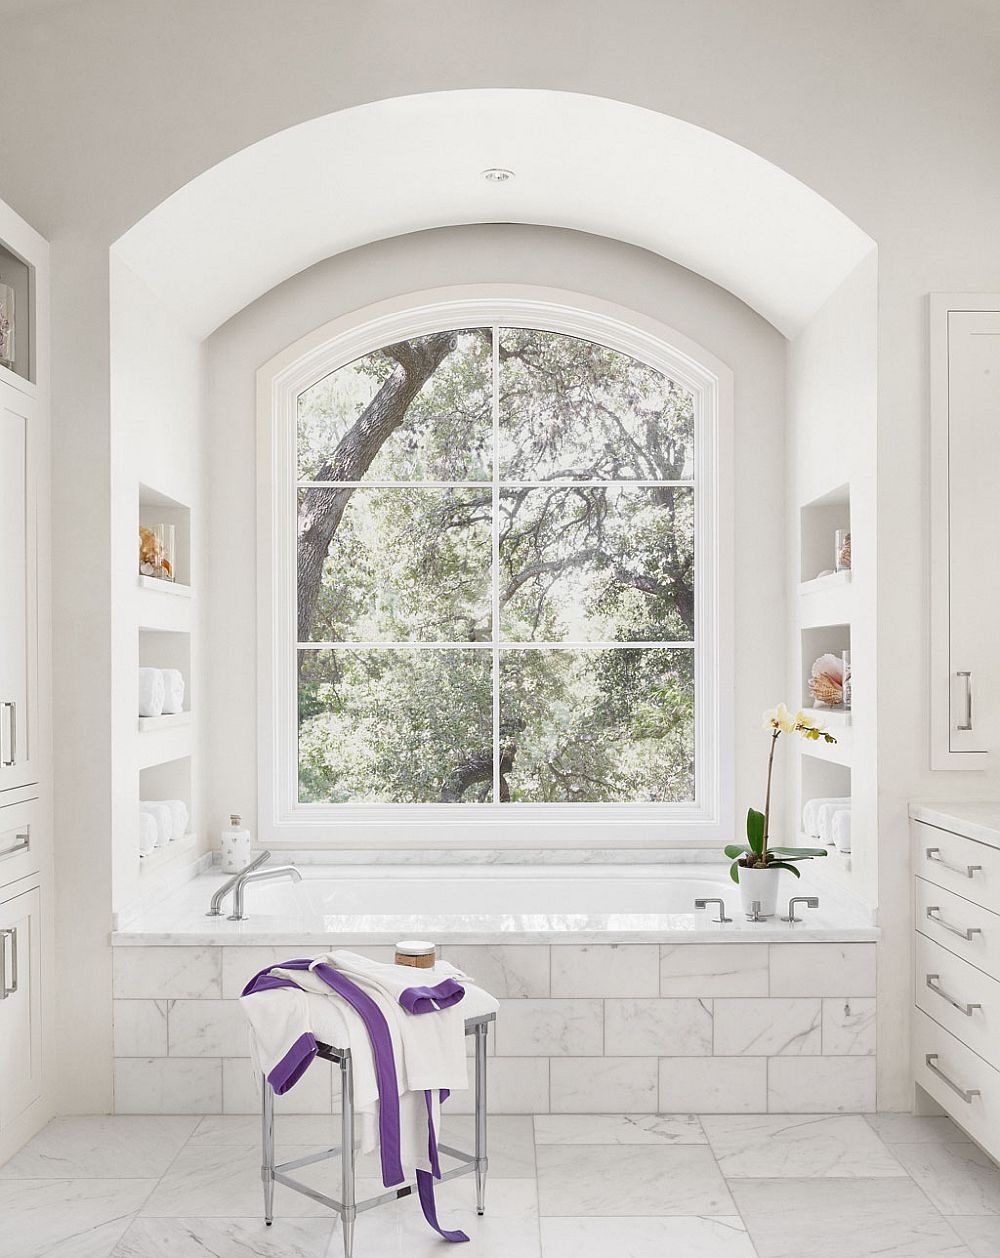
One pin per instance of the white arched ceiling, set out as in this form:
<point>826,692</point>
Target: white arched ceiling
<point>415,162</point>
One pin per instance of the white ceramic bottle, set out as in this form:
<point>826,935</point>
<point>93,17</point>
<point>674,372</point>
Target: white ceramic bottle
<point>234,844</point>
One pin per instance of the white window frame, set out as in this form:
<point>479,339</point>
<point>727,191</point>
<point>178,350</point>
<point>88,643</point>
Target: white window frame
<point>282,820</point>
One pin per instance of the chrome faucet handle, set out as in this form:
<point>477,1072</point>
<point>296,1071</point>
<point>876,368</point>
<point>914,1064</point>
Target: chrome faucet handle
<point>703,904</point>
<point>754,914</point>
<point>810,901</point>
<point>215,908</point>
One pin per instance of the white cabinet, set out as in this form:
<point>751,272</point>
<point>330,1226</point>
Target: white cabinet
<point>18,589</point>
<point>20,1002</point>
<point>965,530</point>
<point>956,960</point>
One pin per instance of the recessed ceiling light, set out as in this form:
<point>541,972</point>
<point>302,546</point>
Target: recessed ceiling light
<point>497,174</point>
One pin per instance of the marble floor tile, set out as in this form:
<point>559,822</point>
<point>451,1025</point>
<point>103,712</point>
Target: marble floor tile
<point>697,1237</point>
<point>226,1238</point>
<point>617,1129</point>
<point>916,1129</point>
<point>67,1218</point>
<point>245,1130</point>
<point>509,1229</point>
<point>223,1181</point>
<point>630,1179</point>
<point>510,1142</point>
<point>958,1178</point>
<point>763,1146</point>
<point>844,1218</point>
<point>101,1147</point>
<point>981,1232</point>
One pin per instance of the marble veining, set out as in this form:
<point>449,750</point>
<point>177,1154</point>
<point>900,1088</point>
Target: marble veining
<point>785,1146</point>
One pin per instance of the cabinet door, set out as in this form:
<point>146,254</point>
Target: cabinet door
<point>18,591</point>
<point>20,1004</point>
<point>974,528</point>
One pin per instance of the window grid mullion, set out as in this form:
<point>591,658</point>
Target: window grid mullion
<point>495,558</point>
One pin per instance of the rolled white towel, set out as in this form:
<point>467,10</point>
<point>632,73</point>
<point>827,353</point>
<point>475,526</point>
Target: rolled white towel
<point>151,692</point>
<point>147,832</point>
<point>161,814</point>
<point>840,828</point>
<point>824,817</point>
<point>173,686</point>
<point>178,818</point>
<point>810,813</point>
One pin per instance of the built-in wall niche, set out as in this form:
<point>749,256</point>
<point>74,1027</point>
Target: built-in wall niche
<point>160,648</point>
<point>170,780</point>
<point>821,779</point>
<point>820,522</point>
<point>818,641</point>
<point>19,276</point>
<point>157,508</point>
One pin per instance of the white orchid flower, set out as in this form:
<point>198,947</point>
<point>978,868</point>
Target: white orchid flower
<point>779,718</point>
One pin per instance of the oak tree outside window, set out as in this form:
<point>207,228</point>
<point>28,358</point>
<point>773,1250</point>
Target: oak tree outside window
<point>495,575</point>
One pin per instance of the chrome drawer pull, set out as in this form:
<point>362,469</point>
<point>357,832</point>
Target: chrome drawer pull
<point>22,844</point>
<point>932,982</point>
<point>967,725</point>
<point>10,706</point>
<point>965,1093</point>
<point>955,930</point>
<point>6,991</point>
<point>967,871</point>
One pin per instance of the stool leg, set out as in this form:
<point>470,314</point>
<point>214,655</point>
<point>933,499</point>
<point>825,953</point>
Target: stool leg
<point>267,1150</point>
<point>481,1159</point>
<point>348,1214</point>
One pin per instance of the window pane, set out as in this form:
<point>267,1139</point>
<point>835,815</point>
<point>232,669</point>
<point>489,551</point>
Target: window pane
<point>402,565</point>
<point>395,726</point>
<point>590,564</point>
<point>613,726</point>
<point>570,409</point>
<point>416,410</point>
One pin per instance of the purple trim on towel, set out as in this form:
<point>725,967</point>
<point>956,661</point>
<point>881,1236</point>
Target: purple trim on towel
<point>425,1191</point>
<point>294,1064</point>
<point>429,999</point>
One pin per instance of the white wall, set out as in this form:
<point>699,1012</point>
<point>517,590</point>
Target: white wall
<point>479,255</point>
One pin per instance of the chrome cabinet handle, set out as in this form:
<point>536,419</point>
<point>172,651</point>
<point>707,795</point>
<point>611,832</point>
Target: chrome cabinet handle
<point>965,1093</point>
<point>934,983</point>
<point>967,871</point>
<point>21,844</point>
<point>933,909</point>
<point>6,991</point>
<point>9,705</point>
<point>968,702</point>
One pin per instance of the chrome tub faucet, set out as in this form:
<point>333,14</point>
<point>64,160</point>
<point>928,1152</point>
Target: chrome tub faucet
<point>215,909</point>
<point>258,875</point>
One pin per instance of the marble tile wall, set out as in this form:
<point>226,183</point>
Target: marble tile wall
<point>601,1028</point>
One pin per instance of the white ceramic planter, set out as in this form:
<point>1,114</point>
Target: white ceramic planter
<point>761,885</point>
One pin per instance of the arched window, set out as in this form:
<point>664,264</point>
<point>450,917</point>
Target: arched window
<point>502,554</point>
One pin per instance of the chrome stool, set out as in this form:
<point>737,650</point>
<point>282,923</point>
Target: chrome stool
<point>348,1208</point>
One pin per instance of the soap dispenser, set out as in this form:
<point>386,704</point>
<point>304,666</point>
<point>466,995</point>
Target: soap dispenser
<point>234,844</point>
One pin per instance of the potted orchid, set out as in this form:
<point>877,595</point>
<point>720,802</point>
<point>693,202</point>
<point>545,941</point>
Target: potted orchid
<point>756,865</point>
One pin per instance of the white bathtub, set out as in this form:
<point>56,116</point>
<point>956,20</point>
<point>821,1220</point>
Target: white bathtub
<point>479,904</point>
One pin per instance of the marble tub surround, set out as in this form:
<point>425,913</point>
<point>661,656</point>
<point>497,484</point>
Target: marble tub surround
<point>561,1186</point>
<point>723,1027</point>
<point>475,904</point>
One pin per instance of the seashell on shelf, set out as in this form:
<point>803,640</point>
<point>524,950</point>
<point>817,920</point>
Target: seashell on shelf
<point>826,690</point>
<point>832,665</point>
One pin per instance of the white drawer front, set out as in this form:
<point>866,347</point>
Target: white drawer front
<point>18,842</point>
<point>964,928</point>
<point>960,997</point>
<point>952,1075</point>
<point>971,870</point>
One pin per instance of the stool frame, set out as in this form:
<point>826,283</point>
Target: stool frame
<point>348,1207</point>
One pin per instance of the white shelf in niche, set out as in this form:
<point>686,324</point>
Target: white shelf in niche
<point>160,856</point>
<point>150,724</point>
<point>832,581</point>
<point>177,588</point>
<point>162,745</point>
<point>840,752</point>
<point>833,718</point>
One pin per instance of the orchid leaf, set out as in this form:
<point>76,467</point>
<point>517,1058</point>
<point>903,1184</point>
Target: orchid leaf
<point>734,872</point>
<point>798,853</point>
<point>784,865</point>
<point>733,850</point>
<point>755,830</point>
